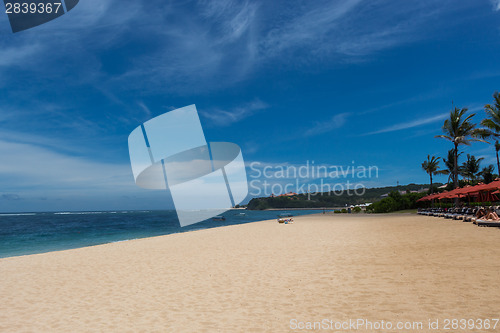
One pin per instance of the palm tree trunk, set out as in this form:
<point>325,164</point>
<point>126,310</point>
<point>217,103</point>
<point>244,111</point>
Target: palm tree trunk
<point>455,171</point>
<point>430,174</point>
<point>455,168</point>
<point>498,163</point>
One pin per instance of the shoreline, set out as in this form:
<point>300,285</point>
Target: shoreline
<point>48,232</point>
<point>217,227</point>
<point>135,239</point>
<point>140,238</point>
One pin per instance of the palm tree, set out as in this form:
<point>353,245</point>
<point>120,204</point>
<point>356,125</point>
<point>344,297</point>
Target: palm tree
<point>470,168</point>
<point>449,162</point>
<point>487,174</point>
<point>431,166</point>
<point>492,123</point>
<point>460,130</point>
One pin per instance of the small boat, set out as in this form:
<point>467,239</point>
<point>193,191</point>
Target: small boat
<point>285,215</point>
<point>219,218</point>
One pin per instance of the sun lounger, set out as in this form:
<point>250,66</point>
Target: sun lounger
<point>470,215</point>
<point>486,223</point>
<point>459,214</point>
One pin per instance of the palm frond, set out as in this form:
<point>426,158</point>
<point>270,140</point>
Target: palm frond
<point>447,137</point>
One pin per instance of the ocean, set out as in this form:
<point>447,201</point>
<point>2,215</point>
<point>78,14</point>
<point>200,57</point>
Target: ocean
<point>29,233</point>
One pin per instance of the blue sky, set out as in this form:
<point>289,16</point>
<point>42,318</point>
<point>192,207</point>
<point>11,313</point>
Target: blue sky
<point>289,81</point>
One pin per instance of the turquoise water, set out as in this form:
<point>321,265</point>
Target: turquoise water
<point>29,233</point>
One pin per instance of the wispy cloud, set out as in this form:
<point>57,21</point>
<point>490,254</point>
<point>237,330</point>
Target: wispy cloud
<point>12,56</point>
<point>220,43</point>
<point>31,166</point>
<point>328,125</point>
<point>234,17</point>
<point>49,124</point>
<point>227,117</point>
<point>372,42</point>
<point>496,4</point>
<point>331,30</point>
<point>146,110</point>
<point>73,39</point>
<point>307,27</point>
<point>208,45</point>
<point>409,124</point>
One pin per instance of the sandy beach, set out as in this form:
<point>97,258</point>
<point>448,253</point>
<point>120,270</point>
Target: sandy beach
<point>262,277</point>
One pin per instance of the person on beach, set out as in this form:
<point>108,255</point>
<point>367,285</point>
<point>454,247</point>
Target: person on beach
<point>491,215</point>
<point>480,213</point>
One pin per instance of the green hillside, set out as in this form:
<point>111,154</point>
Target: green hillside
<point>329,199</point>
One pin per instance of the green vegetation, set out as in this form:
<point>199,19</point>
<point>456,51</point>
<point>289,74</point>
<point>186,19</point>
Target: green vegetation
<point>460,130</point>
<point>431,166</point>
<point>329,199</point>
<point>449,162</point>
<point>395,202</point>
<point>470,168</point>
<point>492,123</point>
<point>487,174</point>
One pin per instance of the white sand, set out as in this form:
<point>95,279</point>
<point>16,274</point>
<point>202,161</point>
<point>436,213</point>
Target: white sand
<point>257,277</point>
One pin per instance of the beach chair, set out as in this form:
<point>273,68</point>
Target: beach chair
<point>449,214</point>
<point>469,214</point>
<point>460,214</point>
<point>488,223</point>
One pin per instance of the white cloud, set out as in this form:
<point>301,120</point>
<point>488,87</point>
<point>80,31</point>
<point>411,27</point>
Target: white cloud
<point>216,8</point>
<point>241,22</point>
<point>208,47</point>
<point>146,110</point>
<point>348,30</point>
<point>228,40</point>
<point>496,4</point>
<point>211,45</point>
<point>49,124</point>
<point>371,42</point>
<point>410,124</point>
<point>335,122</point>
<point>18,55</point>
<point>45,141</point>
<point>227,117</point>
<point>307,27</point>
<point>234,17</point>
<point>28,166</point>
<point>70,40</point>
